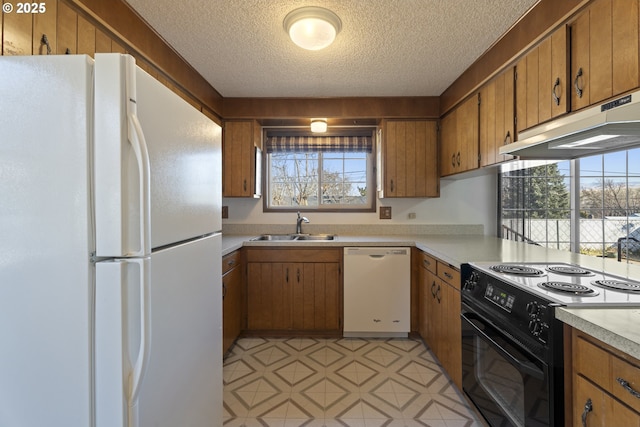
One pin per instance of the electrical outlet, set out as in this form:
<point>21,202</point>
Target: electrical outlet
<point>412,215</point>
<point>385,212</point>
<point>225,212</point>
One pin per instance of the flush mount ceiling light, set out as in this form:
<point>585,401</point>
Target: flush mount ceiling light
<point>318,125</point>
<point>312,28</point>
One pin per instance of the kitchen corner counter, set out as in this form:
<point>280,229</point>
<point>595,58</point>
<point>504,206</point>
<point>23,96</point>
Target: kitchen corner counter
<point>617,327</point>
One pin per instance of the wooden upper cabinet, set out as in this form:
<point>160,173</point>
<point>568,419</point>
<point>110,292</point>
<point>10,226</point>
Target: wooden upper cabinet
<point>410,158</point>
<point>497,116</point>
<point>459,142</point>
<point>604,52</point>
<point>241,137</point>
<point>542,81</point>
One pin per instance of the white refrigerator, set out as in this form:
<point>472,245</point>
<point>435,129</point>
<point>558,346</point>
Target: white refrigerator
<point>110,272</point>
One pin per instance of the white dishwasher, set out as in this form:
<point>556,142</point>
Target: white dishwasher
<point>377,292</point>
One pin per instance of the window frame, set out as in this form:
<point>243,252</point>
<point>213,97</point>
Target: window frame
<point>371,167</point>
<point>577,180</point>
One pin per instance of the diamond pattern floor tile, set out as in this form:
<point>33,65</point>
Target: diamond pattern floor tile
<point>339,382</point>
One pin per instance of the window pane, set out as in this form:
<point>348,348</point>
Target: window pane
<point>615,164</point>
<point>330,179</point>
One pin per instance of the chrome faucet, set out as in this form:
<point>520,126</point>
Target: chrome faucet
<point>299,223</point>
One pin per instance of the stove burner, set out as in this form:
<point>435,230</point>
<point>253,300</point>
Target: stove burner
<point>518,270</point>
<point>566,287</point>
<point>569,270</point>
<point>618,285</point>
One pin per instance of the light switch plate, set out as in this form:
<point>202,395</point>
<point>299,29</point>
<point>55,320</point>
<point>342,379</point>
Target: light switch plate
<point>225,212</point>
<point>385,212</point>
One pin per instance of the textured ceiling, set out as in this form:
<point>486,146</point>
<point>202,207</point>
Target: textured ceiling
<point>385,48</point>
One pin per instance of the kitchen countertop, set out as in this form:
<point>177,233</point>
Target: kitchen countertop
<point>617,327</point>
<point>614,326</point>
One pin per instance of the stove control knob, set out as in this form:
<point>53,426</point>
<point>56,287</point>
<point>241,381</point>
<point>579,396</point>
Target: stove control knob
<point>471,281</point>
<point>532,308</point>
<point>535,327</point>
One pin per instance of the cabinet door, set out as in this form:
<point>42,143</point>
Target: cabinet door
<point>460,139</point>
<point>316,302</point>
<point>452,330</point>
<point>410,159</point>
<point>238,158</point>
<point>268,296</point>
<point>467,136</point>
<point>588,402</point>
<point>231,307</point>
<point>488,125</point>
<point>604,51</point>
<point>448,144</point>
<point>543,81</point>
<point>497,105</point>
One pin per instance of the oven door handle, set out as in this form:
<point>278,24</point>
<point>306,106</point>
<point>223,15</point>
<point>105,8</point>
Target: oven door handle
<point>523,365</point>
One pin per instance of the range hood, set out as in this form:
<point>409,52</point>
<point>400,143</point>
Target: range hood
<point>612,126</point>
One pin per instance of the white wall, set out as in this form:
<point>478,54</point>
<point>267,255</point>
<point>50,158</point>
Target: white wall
<point>462,201</point>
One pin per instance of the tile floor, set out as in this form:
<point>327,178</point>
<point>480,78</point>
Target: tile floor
<point>339,382</point>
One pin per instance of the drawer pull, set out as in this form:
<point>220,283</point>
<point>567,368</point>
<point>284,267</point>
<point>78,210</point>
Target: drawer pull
<point>588,407</point>
<point>426,262</point>
<point>627,386</point>
<point>449,276</point>
<point>231,262</point>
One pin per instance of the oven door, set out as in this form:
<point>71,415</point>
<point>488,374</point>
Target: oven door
<point>507,385</point>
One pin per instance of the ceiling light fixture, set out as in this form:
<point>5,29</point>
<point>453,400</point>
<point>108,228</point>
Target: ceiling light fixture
<point>318,125</point>
<point>312,28</point>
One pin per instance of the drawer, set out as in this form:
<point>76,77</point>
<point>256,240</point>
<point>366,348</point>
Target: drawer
<point>449,274</point>
<point>601,366</point>
<point>627,393</point>
<point>427,261</point>
<point>230,261</point>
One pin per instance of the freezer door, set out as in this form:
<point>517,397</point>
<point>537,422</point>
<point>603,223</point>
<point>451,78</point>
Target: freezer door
<point>45,241</point>
<point>157,163</point>
<point>159,338</point>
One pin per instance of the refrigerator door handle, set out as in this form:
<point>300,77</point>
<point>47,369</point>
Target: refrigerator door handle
<point>122,338</point>
<point>142,359</point>
<point>139,145</point>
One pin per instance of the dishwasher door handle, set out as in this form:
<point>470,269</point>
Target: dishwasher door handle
<point>376,256</point>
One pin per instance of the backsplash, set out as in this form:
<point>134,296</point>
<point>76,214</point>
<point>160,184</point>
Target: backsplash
<point>355,229</point>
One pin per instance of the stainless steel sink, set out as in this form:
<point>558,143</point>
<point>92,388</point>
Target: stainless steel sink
<point>276,237</point>
<point>289,237</point>
<point>316,237</point>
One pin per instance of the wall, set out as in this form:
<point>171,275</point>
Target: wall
<point>462,201</point>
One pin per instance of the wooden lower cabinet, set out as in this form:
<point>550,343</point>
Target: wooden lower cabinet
<point>439,318</point>
<point>231,299</point>
<point>294,290</point>
<point>598,397</point>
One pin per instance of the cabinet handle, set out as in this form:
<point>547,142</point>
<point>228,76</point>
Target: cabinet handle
<point>507,138</point>
<point>224,290</point>
<point>588,407</point>
<point>438,294</point>
<point>556,98</point>
<point>458,158</point>
<point>298,276</point>
<point>625,384</point>
<point>426,262</point>
<point>433,286</point>
<point>244,185</point>
<point>448,275</point>
<point>392,186</point>
<point>287,276</point>
<point>231,262</point>
<point>576,83</point>
<point>453,160</point>
<point>45,41</point>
